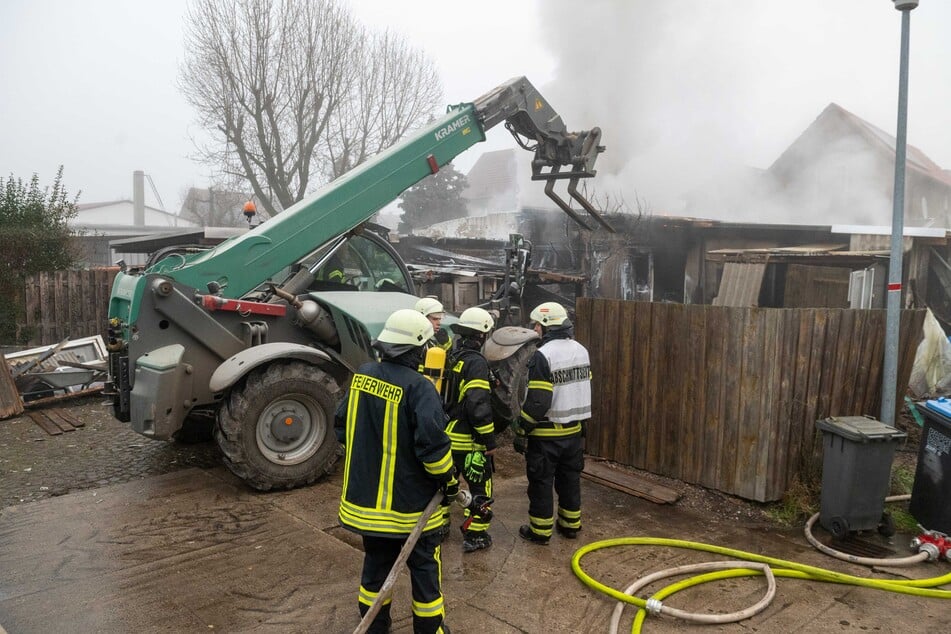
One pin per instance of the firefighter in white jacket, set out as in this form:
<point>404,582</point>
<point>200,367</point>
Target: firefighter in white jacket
<point>551,426</point>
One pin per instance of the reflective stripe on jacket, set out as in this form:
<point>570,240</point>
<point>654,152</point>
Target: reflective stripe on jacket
<point>397,454</point>
<point>470,426</point>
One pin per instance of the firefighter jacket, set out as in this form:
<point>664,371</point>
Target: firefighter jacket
<point>468,399</point>
<point>559,387</point>
<point>397,454</point>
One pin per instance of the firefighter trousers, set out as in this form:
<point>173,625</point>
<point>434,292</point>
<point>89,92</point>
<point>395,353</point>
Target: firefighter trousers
<point>558,462</point>
<point>425,568</point>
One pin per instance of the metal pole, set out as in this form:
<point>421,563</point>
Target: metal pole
<point>893,307</point>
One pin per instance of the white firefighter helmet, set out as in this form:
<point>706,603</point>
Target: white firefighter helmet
<point>477,319</point>
<point>406,327</point>
<point>550,314</point>
<point>430,306</point>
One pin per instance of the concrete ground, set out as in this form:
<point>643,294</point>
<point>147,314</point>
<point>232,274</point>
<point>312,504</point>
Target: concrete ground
<point>193,549</point>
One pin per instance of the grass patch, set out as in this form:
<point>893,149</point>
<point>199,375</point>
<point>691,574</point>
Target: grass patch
<point>903,478</point>
<point>798,504</point>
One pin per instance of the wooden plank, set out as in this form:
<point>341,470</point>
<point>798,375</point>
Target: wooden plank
<point>800,390</point>
<point>42,336</point>
<point>629,482</point>
<point>584,309</point>
<point>643,374</point>
<point>607,367</point>
<point>624,385</point>
<point>864,389</point>
<point>716,334</point>
<point>829,356</point>
<point>69,418</point>
<point>770,394</point>
<point>732,398</point>
<point>32,305</point>
<point>59,420</point>
<point>654,422</point>
<point>779,456</point>
<point>695,395</point>
<point>629,416</point>
<point>10,402</point>
<point>46,424</point>
<point>842,366</point>
<point>676,398</point>
<point>750,413</point>
<point>61,305</point>
<point>75,301</point>
<point>877,328</point>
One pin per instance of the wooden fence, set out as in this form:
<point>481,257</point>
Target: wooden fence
<point>70,304</point>
<point>727,398</point>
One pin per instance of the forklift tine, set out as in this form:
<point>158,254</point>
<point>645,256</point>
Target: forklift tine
<point>573,191</point>
<point>565,207</point>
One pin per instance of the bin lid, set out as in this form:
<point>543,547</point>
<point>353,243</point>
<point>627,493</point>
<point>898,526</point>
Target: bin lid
<point>940,405</point>
<point>860,428</point>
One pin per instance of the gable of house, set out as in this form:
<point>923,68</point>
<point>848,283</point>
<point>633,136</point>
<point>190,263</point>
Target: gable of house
<point>841,170</point>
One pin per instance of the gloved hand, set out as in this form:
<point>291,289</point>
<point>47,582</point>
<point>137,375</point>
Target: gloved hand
<point>522,427</point>
<point>450,489</point>
<point>475,467</point>
<point>520,444</point>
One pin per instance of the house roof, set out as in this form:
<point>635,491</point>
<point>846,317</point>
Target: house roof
<point>120,201</point>
<point>492,173</point>
<point>915,158</point>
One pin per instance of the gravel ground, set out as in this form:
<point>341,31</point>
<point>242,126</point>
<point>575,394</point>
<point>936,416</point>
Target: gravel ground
<point>35,465</point>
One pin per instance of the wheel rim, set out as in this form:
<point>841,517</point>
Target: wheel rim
<point>291,429</point>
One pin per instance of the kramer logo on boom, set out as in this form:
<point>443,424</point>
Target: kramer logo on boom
<point>444,131</point>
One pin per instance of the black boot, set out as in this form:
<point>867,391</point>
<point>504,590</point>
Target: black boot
<point>525,532</point>
<point>472,542</point>
<point>567,533</point>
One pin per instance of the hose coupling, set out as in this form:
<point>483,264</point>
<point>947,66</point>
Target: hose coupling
<point>463,498</point>
<point>927,547</point>
<point>654,606</point>
<point>935,543</point>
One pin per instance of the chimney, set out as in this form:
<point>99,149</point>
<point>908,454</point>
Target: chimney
<point>138,198</point>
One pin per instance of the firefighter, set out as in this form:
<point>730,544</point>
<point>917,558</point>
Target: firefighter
<point>332,271</point>
<point>432,309</point>
<point>397,457</point>
<point>550,429</point>
<point>470,425</point>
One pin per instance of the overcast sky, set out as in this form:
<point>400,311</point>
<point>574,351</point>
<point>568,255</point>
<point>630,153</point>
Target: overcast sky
<point>679,87</point>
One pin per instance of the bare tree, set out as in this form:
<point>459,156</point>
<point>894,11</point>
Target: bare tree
<point>295,92</point>
<point>395,88</point>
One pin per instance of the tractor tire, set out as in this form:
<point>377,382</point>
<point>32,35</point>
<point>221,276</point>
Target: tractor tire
<point>275,430</point>
<point>509,392</point>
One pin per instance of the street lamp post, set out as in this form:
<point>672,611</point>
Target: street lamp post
<point>893,307</point>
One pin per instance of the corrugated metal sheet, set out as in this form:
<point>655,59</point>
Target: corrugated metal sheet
<point>740,284</point>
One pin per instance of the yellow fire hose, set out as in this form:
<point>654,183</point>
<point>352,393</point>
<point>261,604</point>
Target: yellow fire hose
<point>778,567</point>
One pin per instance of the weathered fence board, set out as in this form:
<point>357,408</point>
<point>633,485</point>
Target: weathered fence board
<point>728,397</point>
<point>64,304</point>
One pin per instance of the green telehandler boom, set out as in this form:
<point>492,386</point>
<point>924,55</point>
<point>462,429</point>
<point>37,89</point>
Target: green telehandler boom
<point>255,335</point>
